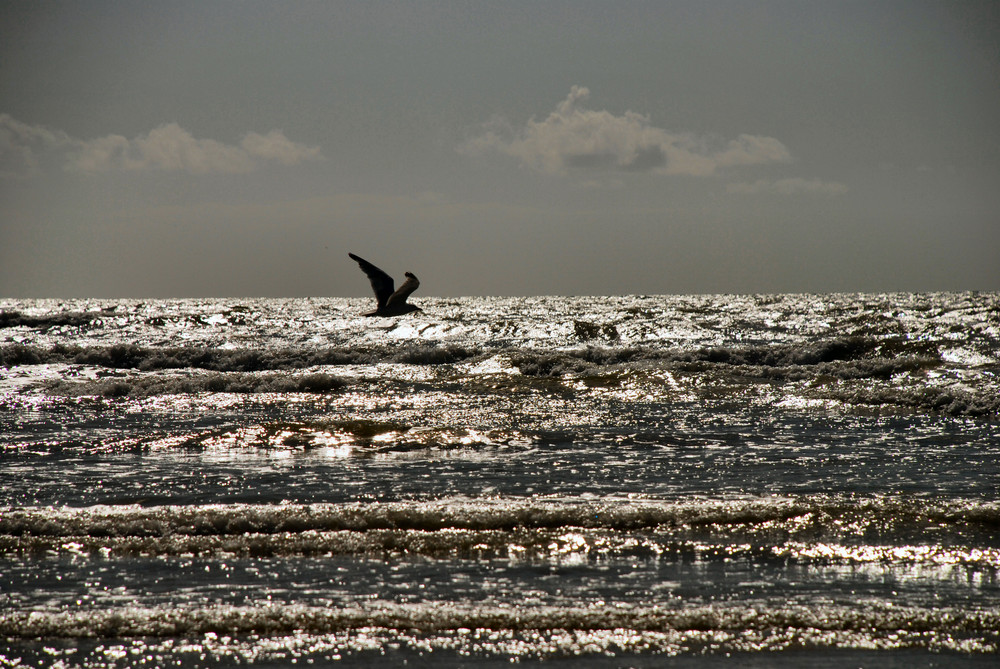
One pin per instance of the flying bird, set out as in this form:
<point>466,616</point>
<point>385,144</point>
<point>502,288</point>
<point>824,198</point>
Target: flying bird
<point>388,302</point>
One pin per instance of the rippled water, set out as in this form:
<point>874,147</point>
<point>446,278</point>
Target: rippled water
<point>753,480</point>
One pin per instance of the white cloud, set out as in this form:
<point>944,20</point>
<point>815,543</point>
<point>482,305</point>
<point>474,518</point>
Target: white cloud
<point>98,155</point>
<point>167,147</point>
<point>171,147</point>
<point>572,138</point>
<point>275,146</point>
<point>788,186</point>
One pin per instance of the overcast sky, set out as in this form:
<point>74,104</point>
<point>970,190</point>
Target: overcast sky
<point>175,149</point>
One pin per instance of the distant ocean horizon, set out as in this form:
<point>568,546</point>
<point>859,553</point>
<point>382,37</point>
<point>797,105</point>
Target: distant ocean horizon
<point>678,480</point>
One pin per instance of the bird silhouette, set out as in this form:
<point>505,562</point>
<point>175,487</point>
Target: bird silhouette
<point>388,302</point>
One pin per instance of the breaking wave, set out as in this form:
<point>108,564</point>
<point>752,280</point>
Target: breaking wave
<point>883,357</point>
<point>895,626</point>
<point>847,358</point>
<point>129,356</point>
<point>488,514</point>
<point>146,386</point>
<point>804,528</point>
<point>872,370</point>
<point>13,319</point>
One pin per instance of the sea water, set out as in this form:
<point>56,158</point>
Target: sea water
<point>781,480</point>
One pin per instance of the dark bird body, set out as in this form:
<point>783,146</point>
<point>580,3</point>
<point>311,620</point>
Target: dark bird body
<point>389,302</point>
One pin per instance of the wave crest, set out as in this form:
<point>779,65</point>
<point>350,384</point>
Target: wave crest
<point>734,627</point>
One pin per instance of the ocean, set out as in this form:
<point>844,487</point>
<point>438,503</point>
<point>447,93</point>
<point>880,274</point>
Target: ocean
<point>634,481</point>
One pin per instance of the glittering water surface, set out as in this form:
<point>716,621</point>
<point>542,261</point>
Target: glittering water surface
<point>732,480</point>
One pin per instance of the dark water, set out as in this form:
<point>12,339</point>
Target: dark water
<point>760,481</point>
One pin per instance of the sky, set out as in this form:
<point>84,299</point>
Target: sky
<point>239,149</point>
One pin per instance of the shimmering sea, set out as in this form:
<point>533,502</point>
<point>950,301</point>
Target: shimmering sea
<point>633,481</point>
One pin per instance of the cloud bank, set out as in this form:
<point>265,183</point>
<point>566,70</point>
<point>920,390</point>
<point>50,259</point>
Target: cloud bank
<point>169,147</point>
<point>573,138</point>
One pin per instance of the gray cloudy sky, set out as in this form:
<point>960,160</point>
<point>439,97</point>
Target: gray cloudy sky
<point>158,149</point>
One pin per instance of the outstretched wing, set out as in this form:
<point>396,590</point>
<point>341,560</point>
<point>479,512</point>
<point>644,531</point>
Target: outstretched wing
<point>382,283</point>
<point>410,285</point>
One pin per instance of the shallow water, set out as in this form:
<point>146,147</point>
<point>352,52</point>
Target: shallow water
<point>752,480</point>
